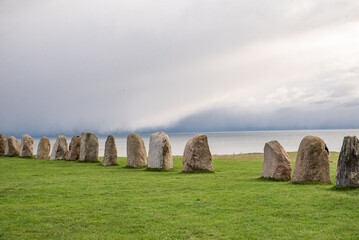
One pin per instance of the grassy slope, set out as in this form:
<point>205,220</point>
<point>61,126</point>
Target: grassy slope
<point>70,200</point>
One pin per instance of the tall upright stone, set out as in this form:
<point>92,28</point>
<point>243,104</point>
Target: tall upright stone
<point>348,163</point>
<point>43,149</point>
<point>74,148</point>
<point>89,147</point>
<point>196,155</point>
<point>27,146</point>
<point>276,164</point>
<point>136,151</point>
<point>60,149</point>
<point>160,152</point>
<point>312,163</point>
<point>12,147</point>
<point>110,157</point>
<point>2,144</point>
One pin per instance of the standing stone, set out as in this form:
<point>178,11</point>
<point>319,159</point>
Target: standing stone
<point>60,149</point>
<point>12,147</point>
<point>27,146</point>
<point>160,153</point>
<point>196,155</point>
<point>136,151</point>
<point>2,145</point>
<point>312,163</point>
<point>43,149</point>
<point>276,164</point>
<point>74,148</point>
<point>89,147</point>
<point>348,163</point>
<point>110,157</point>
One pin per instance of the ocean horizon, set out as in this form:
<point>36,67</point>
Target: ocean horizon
<point>233,142</point>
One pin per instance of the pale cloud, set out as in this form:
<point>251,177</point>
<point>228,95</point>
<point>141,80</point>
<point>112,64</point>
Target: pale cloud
<point>112,66</point>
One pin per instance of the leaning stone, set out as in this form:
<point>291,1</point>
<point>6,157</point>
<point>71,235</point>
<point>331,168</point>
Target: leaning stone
<point>136,151</point>
<point>197,156</point>
<point>2,145</point>
<point>74,148</point>
<point>89,147</point>
<point>43,149</point>
<point>312,163</point>
<point>27,146</point>
<point>12,147</point>
<point>110,157</point>
<point>348,163</point>
<point>60,149</point>
<point>160,153</point>
<point>276,164</point>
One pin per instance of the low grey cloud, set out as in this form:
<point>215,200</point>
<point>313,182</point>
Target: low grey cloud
<point>119,66</point>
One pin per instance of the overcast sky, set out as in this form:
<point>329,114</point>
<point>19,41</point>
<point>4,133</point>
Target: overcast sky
<point>114,66</point>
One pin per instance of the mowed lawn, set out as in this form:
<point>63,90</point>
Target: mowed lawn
<point>43,199</point>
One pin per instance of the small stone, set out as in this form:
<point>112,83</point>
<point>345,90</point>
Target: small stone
<point>27,146</point>
<point>160,153</point>
<point>60,149</point>
<point>276,164</point>
<point>89,147</point>
<point>12,147</point>
<point>348,163</point>
<point>110,157</point>
<point>136,151</point>
<point>74,148</point>
<point>2,145</point>
<point>43,149</point>
<point>197,156</point>
<point>312,163</point>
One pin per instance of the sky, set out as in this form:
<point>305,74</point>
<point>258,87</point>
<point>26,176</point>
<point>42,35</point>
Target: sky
<point>115,66</point>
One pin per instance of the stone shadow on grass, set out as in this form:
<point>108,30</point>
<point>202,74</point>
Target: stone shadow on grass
<point>160,170</point>
<point>196,172</point>
<point>312,183</point>
<point>262,179</point>
<point>130,167</point>
<point>343,189</point>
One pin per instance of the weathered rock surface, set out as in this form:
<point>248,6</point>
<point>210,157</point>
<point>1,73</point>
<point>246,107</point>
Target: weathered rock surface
<point>2,144</point>
<point>312,163</point>
<point>27,146</point>
<point>110,157</point>
<point>43,149</point>
<point>89,147</point>
<point>160,152</point>
<point>74,148</point>
<point>276,164</point>
<point>348,163</point>
<point>136,151</point>
<point>60,149</point>
<point>12,147</point>
<point>196,155</point>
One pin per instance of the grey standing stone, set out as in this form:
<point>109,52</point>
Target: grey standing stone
<point>74,148</point>
<point>43,149</point>
<point>60,149</point>
<point>12,147</point>
<point>196,155</point>
<point>160,152</point>
<point>312,163</point>
<point>276,164</point>
<point>27,146</point>
<point>110,157</point>
<point>89,147</point>
<point>136,151</point>
<point>348,163</point>
<point>2,144</point>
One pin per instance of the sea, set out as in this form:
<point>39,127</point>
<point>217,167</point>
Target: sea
<point>235,142</point>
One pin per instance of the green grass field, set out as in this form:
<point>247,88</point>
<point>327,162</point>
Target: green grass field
<point>43,199</point>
